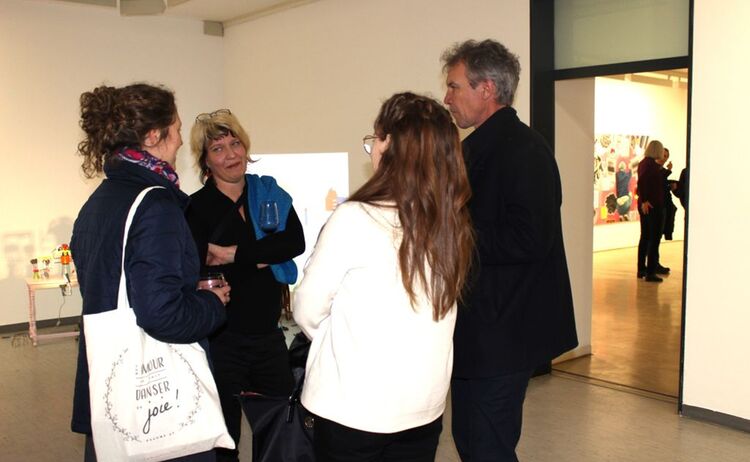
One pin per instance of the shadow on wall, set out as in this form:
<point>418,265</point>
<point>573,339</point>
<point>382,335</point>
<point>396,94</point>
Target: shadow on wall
<point>17,248</point>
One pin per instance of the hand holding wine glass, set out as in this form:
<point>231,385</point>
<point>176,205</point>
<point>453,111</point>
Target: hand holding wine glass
<point>269,216</point>
<point>222,292</point>
<point>215,282</point>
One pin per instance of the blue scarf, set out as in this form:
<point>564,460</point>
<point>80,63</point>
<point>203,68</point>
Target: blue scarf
<point>265,188</point>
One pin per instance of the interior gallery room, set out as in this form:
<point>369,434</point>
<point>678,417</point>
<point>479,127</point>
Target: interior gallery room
<point>660,372</point>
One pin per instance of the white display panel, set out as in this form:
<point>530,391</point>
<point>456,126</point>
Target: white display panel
<point>316,182</point>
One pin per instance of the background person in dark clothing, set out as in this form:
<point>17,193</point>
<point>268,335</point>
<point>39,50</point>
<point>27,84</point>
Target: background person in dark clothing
<point>681,188</point>
<point>651,192</point>
<point>249,353</point>
<point>669,208</point>
<point>132,135</point>
<point>518,311</point>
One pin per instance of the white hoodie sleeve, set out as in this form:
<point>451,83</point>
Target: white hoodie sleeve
<point>334,255</point>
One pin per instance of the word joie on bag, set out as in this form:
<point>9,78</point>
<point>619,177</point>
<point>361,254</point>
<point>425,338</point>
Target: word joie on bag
<point>150,400</point>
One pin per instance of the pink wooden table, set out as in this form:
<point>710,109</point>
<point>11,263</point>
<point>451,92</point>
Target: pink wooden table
<point>41,284</point>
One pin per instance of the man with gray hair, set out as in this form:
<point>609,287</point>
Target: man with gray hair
<point>517,313</point>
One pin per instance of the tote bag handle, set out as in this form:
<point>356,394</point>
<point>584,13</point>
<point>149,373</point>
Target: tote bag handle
<point>122,292</point>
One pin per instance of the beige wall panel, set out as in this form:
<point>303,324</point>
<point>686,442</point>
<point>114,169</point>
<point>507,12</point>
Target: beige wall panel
<point>717,370</point>
<point>311,79</point>
<point>51,52</point>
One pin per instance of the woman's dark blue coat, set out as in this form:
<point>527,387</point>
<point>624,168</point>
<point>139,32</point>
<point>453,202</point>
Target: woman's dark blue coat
<point>161,265</point>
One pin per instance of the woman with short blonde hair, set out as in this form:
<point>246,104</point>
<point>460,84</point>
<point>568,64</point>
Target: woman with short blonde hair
<point>654,150</point>
<point>651,211</point>
<point>249,353</point>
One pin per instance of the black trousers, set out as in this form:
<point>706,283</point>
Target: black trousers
<point>258,363</point>
<point>487,416</point>
<point>669,214</point>
<point>652,228</point>
<point>334,442</point>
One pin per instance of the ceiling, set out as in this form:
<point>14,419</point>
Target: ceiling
<point>227,12</point>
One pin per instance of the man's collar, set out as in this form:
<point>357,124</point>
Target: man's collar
<point>491,110</point>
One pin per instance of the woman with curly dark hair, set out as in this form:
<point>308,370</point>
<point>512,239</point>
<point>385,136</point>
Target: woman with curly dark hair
<point>131,135</point>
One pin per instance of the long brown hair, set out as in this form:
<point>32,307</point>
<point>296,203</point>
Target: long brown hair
<point>423,172</point>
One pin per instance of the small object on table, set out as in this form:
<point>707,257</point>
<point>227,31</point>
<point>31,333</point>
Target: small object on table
<point>65,259</point>
<point>35,269</point>
<point>45,270</point>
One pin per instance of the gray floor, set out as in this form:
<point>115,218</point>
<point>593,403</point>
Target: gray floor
<point>565,420</point>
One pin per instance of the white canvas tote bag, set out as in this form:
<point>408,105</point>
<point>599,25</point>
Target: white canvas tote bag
<point>150,400</point>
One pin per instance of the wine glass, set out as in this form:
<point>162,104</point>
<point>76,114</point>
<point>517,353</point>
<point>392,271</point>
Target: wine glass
<point>269,216</point>
<point>211,280</point>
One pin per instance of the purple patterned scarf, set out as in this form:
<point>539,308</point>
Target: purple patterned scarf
<point>150,162</point>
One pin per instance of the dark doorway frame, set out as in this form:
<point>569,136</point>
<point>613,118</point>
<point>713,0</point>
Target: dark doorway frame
<point>542,103</point>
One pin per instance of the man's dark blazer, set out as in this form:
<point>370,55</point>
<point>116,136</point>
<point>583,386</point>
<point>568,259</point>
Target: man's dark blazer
<point>518,311</point>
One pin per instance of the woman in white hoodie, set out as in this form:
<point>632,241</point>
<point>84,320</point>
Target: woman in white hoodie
<point>378,296</point>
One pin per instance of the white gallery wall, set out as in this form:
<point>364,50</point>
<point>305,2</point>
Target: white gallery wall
<point>717,369</point>
<point>312,78</point>
<point>51,52</point>
<point>634,108</point>
<point>574,132</point>
<point>309,79</point>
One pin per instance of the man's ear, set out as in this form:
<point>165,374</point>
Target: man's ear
<point>488,89</point>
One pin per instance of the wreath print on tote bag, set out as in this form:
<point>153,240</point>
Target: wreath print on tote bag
<point>154,397</point>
